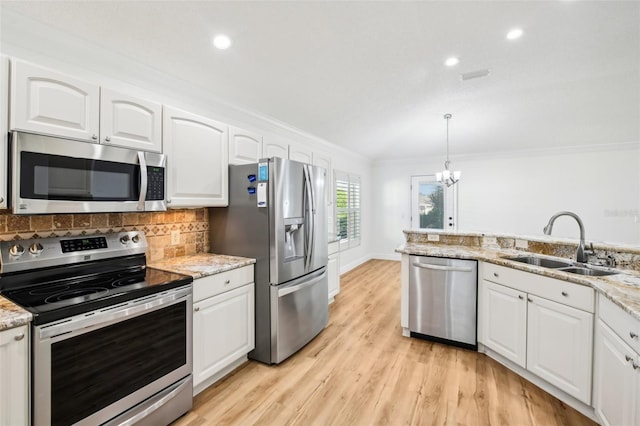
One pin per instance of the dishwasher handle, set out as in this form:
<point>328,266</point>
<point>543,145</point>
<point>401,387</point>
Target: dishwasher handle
<point>442,268</point>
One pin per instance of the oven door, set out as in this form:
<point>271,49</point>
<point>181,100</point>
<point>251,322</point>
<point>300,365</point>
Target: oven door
<point>93,367</point>
<point>55,175</point>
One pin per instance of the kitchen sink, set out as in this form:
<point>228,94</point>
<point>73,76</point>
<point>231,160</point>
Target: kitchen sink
<point>588,271</point>
<point>540,261</point>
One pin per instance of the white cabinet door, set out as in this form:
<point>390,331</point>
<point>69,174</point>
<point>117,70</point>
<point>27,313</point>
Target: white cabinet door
<point>14,376</point>
<point>559,347</point>
<point>44,101</point>
<point>615,391</point>
<point>301,153</point>
<point>505,321</point>
<point>244,147</point>
<point>275,148</point>
<point>4,128</point>
<point>333,269</point>
<point>130,122</point>
<point>197,160</point>
<point>223,331</point>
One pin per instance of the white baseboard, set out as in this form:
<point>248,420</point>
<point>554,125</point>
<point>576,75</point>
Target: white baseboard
<point>387,256</point>
<point>346,268</point>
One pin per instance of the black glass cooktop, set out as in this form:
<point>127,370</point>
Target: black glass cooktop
<point>54,296</point>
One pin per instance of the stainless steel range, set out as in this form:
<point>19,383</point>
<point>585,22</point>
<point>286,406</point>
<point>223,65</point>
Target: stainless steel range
<point>111,338</point>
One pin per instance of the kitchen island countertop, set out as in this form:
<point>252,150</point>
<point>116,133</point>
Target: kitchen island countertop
<point>202,264</point>
<point>12,315</point>
<point>623,289</point>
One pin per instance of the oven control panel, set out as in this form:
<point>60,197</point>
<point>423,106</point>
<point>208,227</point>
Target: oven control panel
<point>20,255</point>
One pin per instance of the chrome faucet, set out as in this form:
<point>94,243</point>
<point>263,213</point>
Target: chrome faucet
<point>580,255</point>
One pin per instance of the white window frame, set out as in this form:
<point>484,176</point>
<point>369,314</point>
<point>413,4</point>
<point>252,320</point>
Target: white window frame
<point>450,203</point>
<point>353,210</point>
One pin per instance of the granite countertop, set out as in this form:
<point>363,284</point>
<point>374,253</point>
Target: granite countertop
<point>623,289</point>
<point>202,264</point>
<point>12,315</point>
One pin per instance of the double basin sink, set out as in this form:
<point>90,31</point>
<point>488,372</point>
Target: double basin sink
<point>561,265</point>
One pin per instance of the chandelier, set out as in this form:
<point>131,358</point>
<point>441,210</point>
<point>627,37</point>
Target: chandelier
<point>446,176</point>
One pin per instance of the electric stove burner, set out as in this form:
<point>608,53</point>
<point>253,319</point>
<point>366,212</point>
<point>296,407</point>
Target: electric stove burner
<point>77,295</point>
<point>52,289</point>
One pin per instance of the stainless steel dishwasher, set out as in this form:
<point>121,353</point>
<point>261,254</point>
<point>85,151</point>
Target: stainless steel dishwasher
<point>443,300</point>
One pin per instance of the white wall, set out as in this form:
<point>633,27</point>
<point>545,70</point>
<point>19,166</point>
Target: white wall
<point>43,45</point>
<point>517,193</point>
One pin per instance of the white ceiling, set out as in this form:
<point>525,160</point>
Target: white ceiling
<point>370,76</point>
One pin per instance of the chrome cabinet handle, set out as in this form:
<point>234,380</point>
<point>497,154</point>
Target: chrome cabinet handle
<point>521,297</point>
<point>628,358</point>
<point>632,335</point>
<point>107,139</point>
<point>634,365</point>
<point>529,299</point>
<point>94,137</point>
<point>495,274</point>
<point>197,308</point>
<point>564,293</point>
<point>19,337</point>
<point>227,282</point>
<point>1,199</point>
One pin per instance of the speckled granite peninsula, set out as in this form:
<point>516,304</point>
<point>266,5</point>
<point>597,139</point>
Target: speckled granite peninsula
<point>12,315</point>
<point>623,288</point>
<point>202,264</point>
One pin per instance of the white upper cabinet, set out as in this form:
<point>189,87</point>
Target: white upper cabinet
<point>244,147</point>
<point>275,147</point>
<point>130,122</point>
<point>300,152</point>
<point>197,160</point>
<point>45,101</point>
<point>4,121</point>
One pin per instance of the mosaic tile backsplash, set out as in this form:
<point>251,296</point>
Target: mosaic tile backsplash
<point>192,224</point>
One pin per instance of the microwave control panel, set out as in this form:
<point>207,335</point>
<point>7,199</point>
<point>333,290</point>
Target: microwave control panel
<point>155,183</point>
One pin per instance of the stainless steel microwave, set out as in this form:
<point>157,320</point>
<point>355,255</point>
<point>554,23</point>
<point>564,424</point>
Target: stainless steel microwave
<point>56,175</point>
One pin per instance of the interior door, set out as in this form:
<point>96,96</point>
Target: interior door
<point>433,204</point>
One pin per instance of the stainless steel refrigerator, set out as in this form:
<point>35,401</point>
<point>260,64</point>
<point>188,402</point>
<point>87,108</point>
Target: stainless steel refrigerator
<point>277,215</point>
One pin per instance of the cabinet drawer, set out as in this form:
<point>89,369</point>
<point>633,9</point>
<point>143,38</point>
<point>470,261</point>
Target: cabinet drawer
<point>219,283</point>
<point>570,294</point>
<point>623,324</point>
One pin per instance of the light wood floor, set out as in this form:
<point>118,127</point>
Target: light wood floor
<point>361,371</point>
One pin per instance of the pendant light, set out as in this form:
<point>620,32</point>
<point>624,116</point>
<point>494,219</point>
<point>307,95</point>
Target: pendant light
<point>446,176</point>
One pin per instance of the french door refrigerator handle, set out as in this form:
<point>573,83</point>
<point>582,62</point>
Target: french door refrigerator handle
<point>309,217</point>
<point>441,268</point>
<point>143,180</point>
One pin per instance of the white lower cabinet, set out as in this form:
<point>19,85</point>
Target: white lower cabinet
<point>550,336</point>
<point>333,270</point>
<point>14,376</point>
<point>223,324</point>
<point>616,366</point>
<point>559,342</point>
<point>505,325</point>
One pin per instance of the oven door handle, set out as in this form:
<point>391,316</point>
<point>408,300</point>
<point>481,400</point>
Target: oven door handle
<point>114,313</point>
<point>143,180</point>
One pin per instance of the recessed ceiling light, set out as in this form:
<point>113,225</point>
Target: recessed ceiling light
<point>514,34</point>
<point>222,41</point>
<point>452,61</point>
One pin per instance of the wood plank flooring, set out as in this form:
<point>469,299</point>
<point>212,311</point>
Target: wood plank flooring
<point>361,371</point>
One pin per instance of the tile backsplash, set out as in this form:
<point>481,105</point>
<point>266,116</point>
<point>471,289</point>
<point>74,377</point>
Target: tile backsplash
<point>192,224</point>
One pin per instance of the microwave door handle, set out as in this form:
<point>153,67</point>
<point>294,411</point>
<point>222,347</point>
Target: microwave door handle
<point>143,180</point>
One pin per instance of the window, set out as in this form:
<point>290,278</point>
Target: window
<point>433,204</point>
<point>347,204</point>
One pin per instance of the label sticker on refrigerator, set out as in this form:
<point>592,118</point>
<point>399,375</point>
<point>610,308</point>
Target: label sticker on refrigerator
<point>262,194</point>
<point>263,171</point>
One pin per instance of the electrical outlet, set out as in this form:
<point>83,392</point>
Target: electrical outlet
<point>489,241</point>
<point>522,244</point>
<point>175,238</point>
<point>433,237</point>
